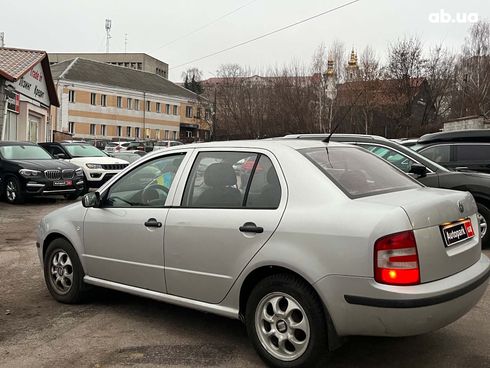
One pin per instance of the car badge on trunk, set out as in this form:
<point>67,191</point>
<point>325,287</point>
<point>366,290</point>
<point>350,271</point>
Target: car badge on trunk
<point>460,206</point>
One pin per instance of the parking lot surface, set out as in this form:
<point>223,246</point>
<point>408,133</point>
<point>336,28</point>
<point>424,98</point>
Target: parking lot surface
<point>113,329</point>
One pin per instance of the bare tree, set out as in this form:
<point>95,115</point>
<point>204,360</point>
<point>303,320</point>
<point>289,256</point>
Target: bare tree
<point>474,72</point>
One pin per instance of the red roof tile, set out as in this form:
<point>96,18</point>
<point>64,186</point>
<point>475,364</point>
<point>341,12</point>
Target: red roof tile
<point>14,63</point>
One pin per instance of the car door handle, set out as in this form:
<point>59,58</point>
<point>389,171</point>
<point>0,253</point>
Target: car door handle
<point>153,223</point>
<point>250,227</point>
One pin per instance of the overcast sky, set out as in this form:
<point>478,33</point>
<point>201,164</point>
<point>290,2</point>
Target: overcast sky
<point>78,26</point>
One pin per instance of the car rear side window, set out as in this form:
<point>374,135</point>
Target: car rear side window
<point>232,180</point>
<point>357,172</point>
<point>472,152</point>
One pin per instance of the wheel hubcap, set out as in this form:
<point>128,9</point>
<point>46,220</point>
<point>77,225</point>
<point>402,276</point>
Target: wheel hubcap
<point>483,225</point>
<point>61,272</point>
<point>11,191</point>
<point>282,326</point>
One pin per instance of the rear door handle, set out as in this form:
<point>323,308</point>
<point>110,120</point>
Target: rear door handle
<point>250,227</point>
<point>153,223</point>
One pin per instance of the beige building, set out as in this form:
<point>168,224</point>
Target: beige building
<point>138,61</point>
<point>102,101</point>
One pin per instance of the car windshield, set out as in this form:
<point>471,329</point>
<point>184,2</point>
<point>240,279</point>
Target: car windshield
<point>110,144</point>
<point>84,150</point>
<point>27,152</point>
<point>357,172</point>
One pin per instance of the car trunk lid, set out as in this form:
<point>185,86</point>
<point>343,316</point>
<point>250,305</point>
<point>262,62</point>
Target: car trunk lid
<point>429,211</point>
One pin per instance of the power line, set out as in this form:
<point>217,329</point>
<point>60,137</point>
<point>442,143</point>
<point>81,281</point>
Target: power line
<point>204,26</point>
<point>267,34</point>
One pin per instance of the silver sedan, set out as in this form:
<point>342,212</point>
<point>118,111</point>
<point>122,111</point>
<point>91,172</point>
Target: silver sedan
<point>304,241</point>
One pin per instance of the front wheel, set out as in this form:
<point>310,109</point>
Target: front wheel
<point>286,323</point>
<point>63,272</point>
<point>13,191</point>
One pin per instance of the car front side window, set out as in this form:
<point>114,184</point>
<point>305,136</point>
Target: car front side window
<point>437,153</point>
<point>147,185</point>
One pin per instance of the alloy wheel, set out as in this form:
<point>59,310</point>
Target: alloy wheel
<point>282,326</point>
<point>483,224</point>
<point>61,272</point>
<point>11,190</point>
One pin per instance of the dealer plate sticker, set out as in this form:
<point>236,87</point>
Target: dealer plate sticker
<point>457,232</point>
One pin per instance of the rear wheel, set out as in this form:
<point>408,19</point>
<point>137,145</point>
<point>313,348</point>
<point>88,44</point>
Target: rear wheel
<point>286,322</point>
<point>13,192</point>
<point>483,218</point>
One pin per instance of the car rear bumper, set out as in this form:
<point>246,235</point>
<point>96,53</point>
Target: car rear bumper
<point>361,306</point>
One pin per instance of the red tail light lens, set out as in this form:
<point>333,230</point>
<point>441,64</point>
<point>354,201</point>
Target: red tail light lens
<point>118,148</point>
<point>395,259</point>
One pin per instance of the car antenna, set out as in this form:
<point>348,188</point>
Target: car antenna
<point>327,140</point>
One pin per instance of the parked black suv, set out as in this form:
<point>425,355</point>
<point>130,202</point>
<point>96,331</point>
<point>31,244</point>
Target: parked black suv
<point>424,170</point>
<point>28,170</point>
<point>457,150</point>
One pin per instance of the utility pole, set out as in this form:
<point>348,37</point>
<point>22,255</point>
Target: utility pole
<point>108,24</point>
<point>2,39</point>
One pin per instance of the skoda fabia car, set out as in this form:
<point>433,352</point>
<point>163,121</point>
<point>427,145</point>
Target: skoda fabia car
<point>324,240</point>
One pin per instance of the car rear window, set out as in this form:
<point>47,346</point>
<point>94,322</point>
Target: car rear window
<point>357,172</point>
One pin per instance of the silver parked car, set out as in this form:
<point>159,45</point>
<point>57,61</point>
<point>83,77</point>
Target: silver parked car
<point>318,241</point>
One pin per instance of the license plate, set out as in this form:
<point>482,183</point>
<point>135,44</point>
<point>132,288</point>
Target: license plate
<point>63,183</point>
<point>457,232</point>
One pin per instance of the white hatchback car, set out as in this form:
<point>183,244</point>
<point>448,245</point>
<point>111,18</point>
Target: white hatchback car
<point>318,240</point>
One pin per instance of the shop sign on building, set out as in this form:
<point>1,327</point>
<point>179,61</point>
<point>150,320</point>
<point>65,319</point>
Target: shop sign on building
<point>13,101</point>
<point>33,85</point>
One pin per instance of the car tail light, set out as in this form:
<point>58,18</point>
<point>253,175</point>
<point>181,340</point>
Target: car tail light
<point>118,148</point>
<point>395,259</point>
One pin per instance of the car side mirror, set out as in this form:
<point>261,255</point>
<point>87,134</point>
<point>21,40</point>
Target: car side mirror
<point>60,155</point>
<point>419,170</point>
<point>91,199</point>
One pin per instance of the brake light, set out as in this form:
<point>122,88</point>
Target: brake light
<point>396,260</point>
<point>118,148</point>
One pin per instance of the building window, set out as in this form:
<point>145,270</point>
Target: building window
<point>175,135</point>
<point>148,105</point>
<point>71,127</point>
<point>128,131</point>
<point>166,134</point>
<point>175,110</point>
<point>71,96</point>
<point>188,111</point>
<point>119,101</point>
<point>137,132</point>
<point>158,107</point>
<point>157,134</point>
<point>92,129</point>
<point>102,130</point>
<point>119,130</point>
<point>188,133</point>
<point>130,103</point>
<point>140,66</point>
<point>103,100</point>
<point>167,109</point>
<point>93,98</point>
<point>136,104</point>
<point>198,113</point>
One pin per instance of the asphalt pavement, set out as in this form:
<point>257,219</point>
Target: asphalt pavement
<point>114,329</point>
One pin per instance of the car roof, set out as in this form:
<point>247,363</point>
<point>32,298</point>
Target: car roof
<point>261,143</point>
<point>11,143</point>
<point>337,137</point>
<point>470,135</point>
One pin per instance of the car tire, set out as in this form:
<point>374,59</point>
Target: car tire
<point>484,212</point>
<point>12,191</point>
<point>63,272</point>
<point>286,323</point>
